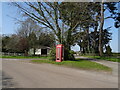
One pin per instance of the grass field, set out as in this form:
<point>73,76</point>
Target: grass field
<point>24,57</point>
<point>114,59</point>
<point>81,64</point>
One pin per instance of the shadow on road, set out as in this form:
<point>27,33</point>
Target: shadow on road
<point>78,58</point>
<point>7,81</point>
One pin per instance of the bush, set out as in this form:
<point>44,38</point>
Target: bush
<point>108,50</point>
<point>68,54</point>
<point>52,54</point>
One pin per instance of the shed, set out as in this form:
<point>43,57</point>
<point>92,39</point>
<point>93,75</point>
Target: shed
<point>41,50</point>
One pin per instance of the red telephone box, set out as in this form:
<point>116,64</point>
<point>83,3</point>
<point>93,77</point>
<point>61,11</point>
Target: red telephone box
<point>59,53</point>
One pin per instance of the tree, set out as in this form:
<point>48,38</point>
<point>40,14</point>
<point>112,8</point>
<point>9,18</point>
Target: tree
<point>108,50</point>
<point>69,17</point>
<point>1,43</point>
<point>47,14</point>
<point>44,13</point>
<point>26,27</point>
<point>22,45</point>
<point>32,40</point>
<point>46,39</point>
<point>5,40</point>
<point>101,29</point>
<point>112,9</point>
<point>11,43</point>
<point>75,14</point>
<point>81,40</point>
<point>81,15</point>
<point>31,35</point>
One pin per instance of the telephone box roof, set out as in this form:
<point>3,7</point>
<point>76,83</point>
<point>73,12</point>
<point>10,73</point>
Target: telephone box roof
<point>59,45</point>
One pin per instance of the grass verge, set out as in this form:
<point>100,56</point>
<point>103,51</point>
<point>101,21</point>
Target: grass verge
<point>24,57</point>
<point>81,64</point>
<point>114,59</point>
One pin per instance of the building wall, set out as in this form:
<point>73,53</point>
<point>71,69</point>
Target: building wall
<point>31,52</point>
<point>48,51</point>
<point>38,52</point>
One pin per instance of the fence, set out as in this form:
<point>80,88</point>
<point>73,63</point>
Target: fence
<point>11,54</point>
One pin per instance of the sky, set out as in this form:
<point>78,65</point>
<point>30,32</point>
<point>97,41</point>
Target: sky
<point>0,17</point>
<point>9,25</point>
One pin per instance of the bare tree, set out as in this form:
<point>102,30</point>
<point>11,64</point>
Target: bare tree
<point>45,13</point>
<point>26,27</point>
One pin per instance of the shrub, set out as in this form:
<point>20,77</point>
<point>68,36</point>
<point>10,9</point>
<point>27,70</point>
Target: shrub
<point>52,54</point>
<point>68,54</point>
<point>108,50</point>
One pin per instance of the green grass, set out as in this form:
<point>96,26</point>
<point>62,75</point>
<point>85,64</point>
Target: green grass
<point>24,57</point>
<point>114,59</point>
<point>81,64</point>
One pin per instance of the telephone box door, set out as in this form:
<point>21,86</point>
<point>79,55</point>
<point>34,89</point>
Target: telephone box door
<point>59,53</point>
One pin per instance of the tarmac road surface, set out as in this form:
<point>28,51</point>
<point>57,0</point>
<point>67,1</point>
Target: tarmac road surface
<point>23,74</point>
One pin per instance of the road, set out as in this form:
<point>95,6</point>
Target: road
<point>113,65</point>
<point>23,74</point>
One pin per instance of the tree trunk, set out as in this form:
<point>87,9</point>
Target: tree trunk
<point>26,53</point>
<point>34,51</point>
<point>95,43</point>
<point>101,29</point>
<point>88,42</point>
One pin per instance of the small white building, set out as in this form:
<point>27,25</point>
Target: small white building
<point>42,50</point>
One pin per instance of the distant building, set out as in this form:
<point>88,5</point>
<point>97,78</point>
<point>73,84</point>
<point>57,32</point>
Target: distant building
<point>41,50</point>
